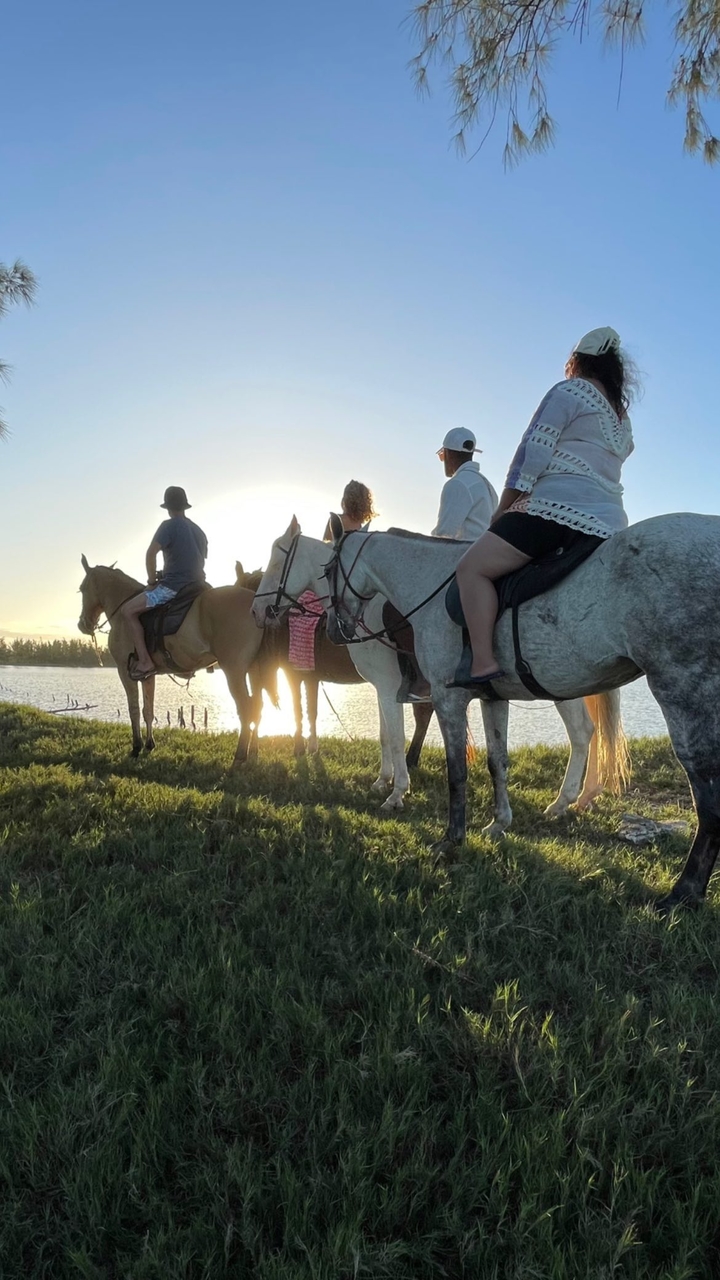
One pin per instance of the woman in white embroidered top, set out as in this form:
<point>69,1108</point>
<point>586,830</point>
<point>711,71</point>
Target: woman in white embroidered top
<point>563,486</point>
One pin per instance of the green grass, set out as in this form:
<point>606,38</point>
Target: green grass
<point>248,1029</point>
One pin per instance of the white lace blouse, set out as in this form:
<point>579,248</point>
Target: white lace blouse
<point>569,461</point>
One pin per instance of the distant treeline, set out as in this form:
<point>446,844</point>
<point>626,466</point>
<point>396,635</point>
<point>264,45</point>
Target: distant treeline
<point>52,653</point>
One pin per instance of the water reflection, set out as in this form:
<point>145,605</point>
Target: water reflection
<point>343,711</point>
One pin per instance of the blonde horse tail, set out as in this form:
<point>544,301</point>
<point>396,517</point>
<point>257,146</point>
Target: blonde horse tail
<point>613,758</point>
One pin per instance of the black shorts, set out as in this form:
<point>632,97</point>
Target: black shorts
<point>537,537</point>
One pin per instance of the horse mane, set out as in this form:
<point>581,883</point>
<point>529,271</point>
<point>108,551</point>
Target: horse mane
<point>112,568</point>
<point>426,537</point>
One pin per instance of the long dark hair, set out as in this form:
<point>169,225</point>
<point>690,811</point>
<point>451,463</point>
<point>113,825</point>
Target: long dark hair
<point>614,370</point>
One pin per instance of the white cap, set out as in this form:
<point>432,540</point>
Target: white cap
<point>597,342</point>
<point>460,440</point>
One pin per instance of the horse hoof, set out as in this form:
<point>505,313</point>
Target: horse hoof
<point>664,907</point>
<point>555,810</point>
<point>495,830</point>
<point>150,746</point>
<point>444,850</point>
<point>391,804</point>
<point>136,751</point>
<point>299,748</point>
<point>381,784</point>
<point>586,802</point>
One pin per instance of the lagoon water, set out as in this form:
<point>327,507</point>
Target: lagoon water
<point>343,711</point>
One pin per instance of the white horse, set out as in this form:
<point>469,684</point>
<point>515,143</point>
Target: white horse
<point>283,581</point>
<point>298,563</point>
<point>645,602</point>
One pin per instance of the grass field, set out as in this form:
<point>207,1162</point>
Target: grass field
<point>248,1029</point>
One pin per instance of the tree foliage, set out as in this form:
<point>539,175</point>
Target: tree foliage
<point>52,653</point>
<point>498,53</point>
<point>17,284</point>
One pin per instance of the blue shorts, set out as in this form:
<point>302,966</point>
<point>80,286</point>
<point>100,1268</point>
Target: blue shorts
<point>159,595</point>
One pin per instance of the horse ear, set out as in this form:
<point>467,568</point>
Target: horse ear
<point>336,527</point>
<point>84,563</point>
<point>239,571</point>
<point>294,526</point>
<point>112,566</point>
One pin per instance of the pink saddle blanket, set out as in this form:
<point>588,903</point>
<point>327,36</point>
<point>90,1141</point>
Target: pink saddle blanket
<point>303,626</point>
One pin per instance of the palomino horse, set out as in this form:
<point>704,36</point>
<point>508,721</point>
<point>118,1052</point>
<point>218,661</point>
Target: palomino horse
<point>219,628</point>
<point>334,665</point>
<point>646,602</point>
<point>298,563</point>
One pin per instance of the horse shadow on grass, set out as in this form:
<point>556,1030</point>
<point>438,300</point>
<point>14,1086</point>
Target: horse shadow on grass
<point>440,1008</point>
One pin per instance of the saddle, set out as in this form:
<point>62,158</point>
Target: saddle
<point>516,589</point>
<point>166,619</point>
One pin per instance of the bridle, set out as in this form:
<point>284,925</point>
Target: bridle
<point>282,595</point>
<point>347,628</point>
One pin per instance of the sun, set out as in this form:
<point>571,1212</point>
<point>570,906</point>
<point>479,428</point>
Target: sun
<point>244,523</point>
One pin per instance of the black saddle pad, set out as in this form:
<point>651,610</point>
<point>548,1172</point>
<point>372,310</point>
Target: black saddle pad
<point>530,581</point>
<point>166,619</point>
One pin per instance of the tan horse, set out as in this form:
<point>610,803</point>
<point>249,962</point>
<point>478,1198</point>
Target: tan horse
<point>219,628</point>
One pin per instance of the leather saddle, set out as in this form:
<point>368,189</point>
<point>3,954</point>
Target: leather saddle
<point>516,589</point>
<point>166,619</point>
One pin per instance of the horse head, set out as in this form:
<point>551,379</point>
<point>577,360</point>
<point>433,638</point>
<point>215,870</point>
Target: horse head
<point>285,578</point>
<point>91,603</point>
<point>348,585</point>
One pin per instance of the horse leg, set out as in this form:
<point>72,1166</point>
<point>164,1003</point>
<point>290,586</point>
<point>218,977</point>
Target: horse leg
<point>451,710</point>
<point>690,888</point>
<point>580,731</point>
<point>312,684</point>
<point>495,724</point>
<point>133,700</point>
<point>149,712</point>
<point>295,682</point>
<point>237,684</point>
<point>391,714</point>
<point>691,715</point>
<point>385,777</point>
<point>423,712</point>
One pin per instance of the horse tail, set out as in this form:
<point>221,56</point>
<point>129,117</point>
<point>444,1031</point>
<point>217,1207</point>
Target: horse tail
<point>613,757</point>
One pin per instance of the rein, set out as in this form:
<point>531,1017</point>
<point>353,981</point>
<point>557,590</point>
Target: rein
<point>356,619</point>
<point>281,593</point>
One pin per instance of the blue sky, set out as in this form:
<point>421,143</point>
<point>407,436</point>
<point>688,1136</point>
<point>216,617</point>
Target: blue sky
<point>264,270</point>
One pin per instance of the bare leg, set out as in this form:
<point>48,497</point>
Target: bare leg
<point>488,559</point>
<point>131,611</point>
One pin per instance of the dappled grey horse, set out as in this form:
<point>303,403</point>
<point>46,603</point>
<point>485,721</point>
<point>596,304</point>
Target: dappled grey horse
<point>647,601</point>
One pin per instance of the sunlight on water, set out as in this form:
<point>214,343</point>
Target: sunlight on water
<point>343,710</point>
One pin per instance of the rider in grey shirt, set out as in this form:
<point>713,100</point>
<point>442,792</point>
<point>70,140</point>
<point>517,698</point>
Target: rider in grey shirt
<point>184,547</point>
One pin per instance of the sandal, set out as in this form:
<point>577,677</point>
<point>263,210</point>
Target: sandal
<point>463,681</point>
<point>135,673</point>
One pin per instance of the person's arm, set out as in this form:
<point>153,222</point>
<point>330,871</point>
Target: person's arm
<point>151,556</point>
<point>507,497</point>
<point>455,502</point>
<point>538,444</point>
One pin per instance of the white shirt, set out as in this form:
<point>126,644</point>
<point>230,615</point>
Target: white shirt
<point>467,503</point>
<point>569,461</point>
